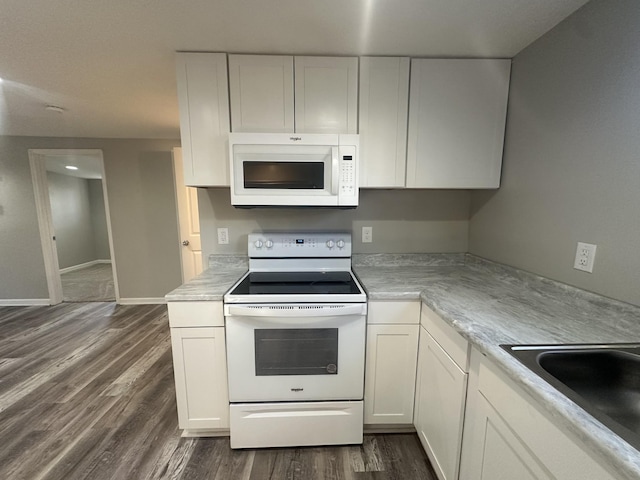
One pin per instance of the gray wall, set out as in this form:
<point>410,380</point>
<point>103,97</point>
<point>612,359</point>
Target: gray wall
<point>99,220</point>
<point>71,214</point>
<point>571,170</point>
<point>22,273</point>
<point>139,178</point>
<point>403,221</point>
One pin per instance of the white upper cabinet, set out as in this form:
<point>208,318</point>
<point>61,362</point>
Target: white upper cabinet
<point>384,104</point>
<point>326,94</point>
<point>261,93</point>
<point>203,97</point>
<point>457,114</point>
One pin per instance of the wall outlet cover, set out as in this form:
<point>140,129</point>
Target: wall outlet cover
<point>223,236</point>
<point>367,234</point>
<point>585,257</point>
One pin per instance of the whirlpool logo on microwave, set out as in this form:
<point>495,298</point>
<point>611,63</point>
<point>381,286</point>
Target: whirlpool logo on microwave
<point>297,389</point>
<point>295,139</point>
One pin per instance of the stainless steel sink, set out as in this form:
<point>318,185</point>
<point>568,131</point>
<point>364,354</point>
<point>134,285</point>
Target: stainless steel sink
<point>602,379</point>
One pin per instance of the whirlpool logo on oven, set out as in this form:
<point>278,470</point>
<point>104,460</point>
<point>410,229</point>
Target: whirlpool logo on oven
<point>297,389</point>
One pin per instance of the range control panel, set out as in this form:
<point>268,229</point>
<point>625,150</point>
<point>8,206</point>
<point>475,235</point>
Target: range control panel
<point>288,245</point>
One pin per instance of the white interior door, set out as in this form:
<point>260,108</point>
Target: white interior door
<point>189,221</point>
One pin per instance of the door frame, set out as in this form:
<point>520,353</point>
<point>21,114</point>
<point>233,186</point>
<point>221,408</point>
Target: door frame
<point>37,162</point>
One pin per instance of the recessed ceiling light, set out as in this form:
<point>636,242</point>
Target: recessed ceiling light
<point>70,167</point>
<point>54,108</point>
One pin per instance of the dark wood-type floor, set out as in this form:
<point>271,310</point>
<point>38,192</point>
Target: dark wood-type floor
<point>86,392</point>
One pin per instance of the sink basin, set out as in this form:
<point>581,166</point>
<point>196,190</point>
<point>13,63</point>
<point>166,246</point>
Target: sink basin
<point>602,379</point>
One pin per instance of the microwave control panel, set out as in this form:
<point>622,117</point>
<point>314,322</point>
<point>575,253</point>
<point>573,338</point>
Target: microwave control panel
<point>348,172</point>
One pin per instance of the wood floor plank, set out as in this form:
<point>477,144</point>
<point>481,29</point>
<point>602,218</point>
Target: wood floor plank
<point>87,392</point>
<point>173,458</point>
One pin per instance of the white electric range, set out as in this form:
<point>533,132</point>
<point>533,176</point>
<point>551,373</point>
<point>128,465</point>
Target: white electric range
<point>296,327</point>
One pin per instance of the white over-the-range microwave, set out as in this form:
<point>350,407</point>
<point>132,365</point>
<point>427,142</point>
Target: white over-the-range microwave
<point>294,170</point>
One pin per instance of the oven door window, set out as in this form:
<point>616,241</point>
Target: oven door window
<point>296,351</point>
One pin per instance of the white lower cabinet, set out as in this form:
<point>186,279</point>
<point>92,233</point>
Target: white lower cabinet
<point>500,453</point>
<point>200,367</point>
<point>441,389</point>
<point>475,423</point>
<point>390,372</point>
<point>508,435</point>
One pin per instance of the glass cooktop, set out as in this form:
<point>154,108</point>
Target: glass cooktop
<point>304,283</point>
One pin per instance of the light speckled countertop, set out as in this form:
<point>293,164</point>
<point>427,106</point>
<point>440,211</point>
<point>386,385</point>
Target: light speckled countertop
<point>212,284</point>
<point>489,305</point>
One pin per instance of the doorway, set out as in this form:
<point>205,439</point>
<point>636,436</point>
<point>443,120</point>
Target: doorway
<point>75,228</point>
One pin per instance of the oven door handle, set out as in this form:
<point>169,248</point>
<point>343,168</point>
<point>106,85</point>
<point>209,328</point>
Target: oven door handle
<point>305,311</point>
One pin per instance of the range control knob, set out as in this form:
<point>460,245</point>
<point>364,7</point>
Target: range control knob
<point>330,243</point>
<point>258,243</point>
<point>269,244</point>
<point>340,243</point>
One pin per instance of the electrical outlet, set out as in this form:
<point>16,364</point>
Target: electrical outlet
<point>585,256</point>
<point>223,236</point>
<point>367,234</point>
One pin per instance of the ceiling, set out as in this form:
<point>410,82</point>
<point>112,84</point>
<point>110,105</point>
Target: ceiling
<point>110,64</point>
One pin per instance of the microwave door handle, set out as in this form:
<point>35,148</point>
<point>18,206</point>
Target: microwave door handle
<point>334,170</point>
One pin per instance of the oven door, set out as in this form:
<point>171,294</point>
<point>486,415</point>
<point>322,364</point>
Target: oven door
<point>295,352</point>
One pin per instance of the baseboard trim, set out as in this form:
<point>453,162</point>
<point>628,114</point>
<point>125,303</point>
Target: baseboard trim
<point>393,428</point>
<point>23,302</point>
<point>142,301</point>
<point>83,265</point>
<point>224,432</point>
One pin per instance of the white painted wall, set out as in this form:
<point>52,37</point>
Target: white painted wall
<point>571,170</point>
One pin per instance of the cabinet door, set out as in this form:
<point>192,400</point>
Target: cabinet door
<point>200,370</point>
<point>384,105</point>
<point>203,98</point>
<point>499,454</point>
<point>457,116</point>
<point>326,92</point>
<point>509,435</point>
<point>261,93</point>
<point>390,373</point>
<point>440,400</point>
